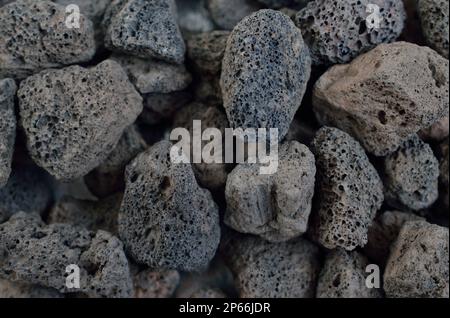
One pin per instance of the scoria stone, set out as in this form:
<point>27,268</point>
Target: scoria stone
<point>383,233</point>
<point>227,13</point>
<point>277,4</point>
<point>193,16</point>
<point>436,132</point>
<point>444,175</point>
<point>418,263</point>
<point>108,178</point>
<point>152,76</point>
<point>166,220</point>
<point>151,284</point>
<point>212,176</point>
<point>10,289</point>
<point>339,31</point>
<point>274,206</point>
<point>434,19</point>
<point>382,100</point>
<point>28,190</point>
<point>349,190</point>
<point>94,10</point>
<point>35,37</point>
<point>74,117</point>
<point>145,28</point>
<point>92,215</point>
<point>26,256</point>
<point>343,275</point>
<point>7,128</point>
<point>265,270</point>
<point>265,70</point>
<point>411,176</point>
<point>161,107</point>
<point>208,293</point>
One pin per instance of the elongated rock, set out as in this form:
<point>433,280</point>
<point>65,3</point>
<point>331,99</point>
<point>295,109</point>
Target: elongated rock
<point>7,128</point>
<point>380,99</point>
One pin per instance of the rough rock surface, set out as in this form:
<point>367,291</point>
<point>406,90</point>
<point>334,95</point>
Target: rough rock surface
<point>436,132</point>
<point>108,177</point>
<point>74,117</point>
<point>94,10</point>
<point>26,256</point>
<point>338,31</point>
<point>227,13</point>
<point>349,190</point>
<point>150,284</point>
<point>153,76</point>
<point>264,270</point>
<point>166,220</point>
<point>418,264</point>
<point>435,24</point>
<point>92,215</point>
<point>275,206</point>
<point>411,176</point>
<point>208,293</point>
<point>343,275</point>
<point>278,4</point>
<point>35,37</point>
<point>444,175</point>
<point>161,107</point>
<point>28,190</point>
<point>265,71</point>
<point>144,28</point>
<point>193,16</point>
<point>10,289</point>
<point>384,231</point>
<point>209,175</point>
<point>380,99</point>
<point>7,128</point>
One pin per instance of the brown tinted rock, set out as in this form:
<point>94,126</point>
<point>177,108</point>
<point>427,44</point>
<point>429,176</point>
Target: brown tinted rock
<point>438,131</point>
<point>150,284</point>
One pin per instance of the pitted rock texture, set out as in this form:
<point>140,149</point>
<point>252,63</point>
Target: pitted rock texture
<point>444,175</point>
<point>418,264</point>
<point>380,99</point>
<point>264,270</point>
<point>150,284</point>
<point>108,177</point>
<point>343,275</point>
<point>40,254</point>
<point>208,293</point>
<point>436,132</point>
<point>152,76</point>
<point>349,190</point>
<point>212,176</point>
<point>28,190</point>
<point>411,176</point>
<point>193,16</point>
<point>92,215</point>
<point>10,289</point>
<point>265,70</point>
<point>383,233</point>
<point>338,31</point>
<point>278,4</point>
<point>227,13</point>
<point>144,28</point>
<point>161,107</point>
<point>94,10</point>
<point>35,37</point>
<point>206,51</point>
<point>274,206</point>
<point>166,220</point>
<point>435,23</point>
<point>7,128</point>
<point>74,117</point>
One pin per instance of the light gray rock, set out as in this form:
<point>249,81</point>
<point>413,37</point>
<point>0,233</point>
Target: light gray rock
<point>7,128</point>
<point>227,13</point>
<point>434,19</point>
<point>193,16</point>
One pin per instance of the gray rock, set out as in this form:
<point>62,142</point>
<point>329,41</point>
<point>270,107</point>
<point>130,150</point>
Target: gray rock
<point>444,175</point>
<point>275,207</point>
<point>7,128</point>
<point>227,13</point>
<point>278,4</point>
<point>337,31</point>
<point>265,270</point>
<point>418,263</point>
<point>208,293</point>
<point>349,190</point>
<point>343,275</point>
<point>74,117</point>
<point>152,76</point>
<point>94,10</point>
<point>92,215</point>
<point>265,71</point>
<point>434,19</point>
<point>10,289</point>
<point>150,284</point>
<point>28,190</point>
<point>383,233</point>
<point>212,176</point>
<point>206,51</point>
<point>35,37</point>
<point>381,100</point>
<point>193,17</point>
<point>436,132</point>
<point>166,220</point>
<point>411,176</point>
<point>145,28</point>
<point>40,254</point>
<point>108,177</point>
<point>161,107</point>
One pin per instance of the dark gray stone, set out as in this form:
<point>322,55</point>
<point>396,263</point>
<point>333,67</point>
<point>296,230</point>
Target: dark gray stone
<point>7,128</point>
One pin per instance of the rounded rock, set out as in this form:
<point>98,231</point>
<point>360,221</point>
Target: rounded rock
<point>227,13</point>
